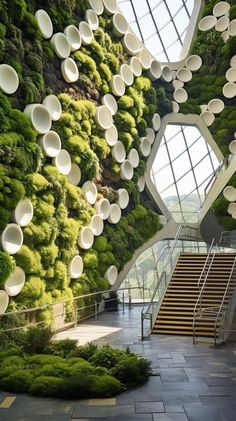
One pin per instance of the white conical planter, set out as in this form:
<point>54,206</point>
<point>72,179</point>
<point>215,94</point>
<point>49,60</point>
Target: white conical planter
<point>231,208</point>
<point>155,71</point>
<point>141,184</point>
<point>123,199</point>
<point>111,274</point>
<point>175,107</point>
<point>216,106</point>
<point>156,122</point>
<point>110,102</point>
<point>9,80</point>
<point>39,116</point>
<point>232,28</point>
<point>15,282</point>
<point>145,58</point>
<point>86,33</point>
<point>69,70</point>
<point>92,19</point>
<point>63,162</point>
<point>97,224</point>
<point>53,105</point>
<point>115,214</point>
<point>136,66</point>
<point>133,156</point>
<point>194,62</point>
<point>229,90</point>
<point>61,45</point>
<point>103,117</point>
<point>23,212</point>
<point>110,6</point>
<point>74,175</point>
<point>203,108</point>
<point>207,23</point>
<point>12,238</point>
<point>73,36</point>
<point>120,25</point>
<point>184,74</point>
<point>233,61</point>
<point>86,238</point>
<point>166,74</point>
<point>229,193</point>
<point>118,152</point>
<point>130,43</point>
<point>44,23</point>
<point>126,170</point>
<point>4,301</point>
<point>145,147</point>
<point>103,208</point>
<point>126,74</point>
<point>51,143</point>
<point>221,8</point>
<point>225,36</point>
<point>234,215</point>
<point>222,24</point>
<point>177,84</point>
<point>232,147</point>
<point>150,134</point>
<point>97,6</point>
<point>111,135</point>
<point>75,267</point>
<point>180,95</point>
<point>231,74</point>
<point>208,117</point>
<point>117,85</point>
<point>90,192</point>
<point>163,220</point>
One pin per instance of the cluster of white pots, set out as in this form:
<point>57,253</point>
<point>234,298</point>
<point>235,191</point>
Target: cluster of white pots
<point>229,89</point>
<point>75,267</point>
<point>111,274</point>
<point>220,21</point>
<point>90,192</point>
<point>9,80</point>
<point>215,106</point>
<point>184,75</point>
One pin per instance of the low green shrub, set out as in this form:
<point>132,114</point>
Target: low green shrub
<point>106,357</point>
<point>47,386</point>
<point>131,371</point>
<point>106,386</point>
<point>62,347</point>
<point>17,381</point>
<point>7,266</point>
<point>37,339</point>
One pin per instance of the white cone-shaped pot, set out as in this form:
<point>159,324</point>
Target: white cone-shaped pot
<point>163,220</point>
<point>133,156</point>
<point>86,33</point>
<point>69,70</point>
<point>231,208</point>
<point>155,70</point>
<point>203,108</point>
<point>103,117</point>
<point>103,208</point>
<point>229,90</point>
<point>53,105</point>
<point>207,23</point>
<point>111,135</point>
<point>177,84</point>
<point>232,147</point>
<point>141,184</point>
<point>216,106</point>
<point>221,8</point>
<point>156,122</point>
<point>44,22</point>
<point>145,58</point>
<point>23,212</point>
<point>97,224</point>
<point>75,267</point>
<point>229,193</point>
<point>231,74</point>
<point>136,66</point>
<point>115,214</point>
<point>234,215</point>
<point>9,80</point>
<point>232,28</point>
<point>50,143</point>
<point>15,282</point>
<point>118,152</point>
<point>180,95</point>
<point>74,175</point>
<point>225,36</point>
<point>90,192</point>
<point>120,25</point>
<point>208,117</point>
<point>126,74</point>
<point>117,85</point>
<point>92,19</point>
<point>39,116</point>
<point>110,6</point>
<point>233,61</point>
<point>130,43</point>
<point>111,274</point>
<point>86,238</point>
<point>61,45</point>
<point>123,199</point>
<point>184,74</point>
<point>145,147</point>
<point>4,301</point>
<point>97,6</point>
<point>109,101</point>
<point>194,62</point>
<point>73,36</point>
<point>166,74</point>
<point>12,238</point>
<point>126,170</point>
<point>150,134</point>
<point>222,24</point>
<point>63,162</point>
<point>175,107</point>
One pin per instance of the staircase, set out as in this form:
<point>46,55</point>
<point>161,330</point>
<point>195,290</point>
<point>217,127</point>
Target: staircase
<point>182,303</point>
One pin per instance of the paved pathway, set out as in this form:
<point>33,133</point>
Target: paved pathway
<point>190,382</point>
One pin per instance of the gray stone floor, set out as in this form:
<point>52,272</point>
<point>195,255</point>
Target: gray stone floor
<point>189,382</point>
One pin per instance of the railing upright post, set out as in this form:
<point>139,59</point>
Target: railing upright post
<point>76,315</point>
<point>130,300</point>
<point>123,302</point>
<point>95,310</point>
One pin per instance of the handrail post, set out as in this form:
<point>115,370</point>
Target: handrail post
<point>76,315</point>
<point>130,300</point>
<point>123,303</point>
<point>95,309</point>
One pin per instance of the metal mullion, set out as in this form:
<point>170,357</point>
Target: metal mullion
<point>157,30</point>
<point>172,19</point>
<point>137,20</point>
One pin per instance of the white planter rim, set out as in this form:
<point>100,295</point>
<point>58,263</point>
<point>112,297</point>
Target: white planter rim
<point>232,147</point>
<point>117,85</point>
<point>229,90</point>
<point>156,122</point>
<point>221,8</point>
<point>110,6</point>
<point>233,61</point>
<point>97,6</point>
<point>126,170</point>
<point>4,301</point>
<point>12,238</point>
<point>75,267</point>
<point>74,175</point>
<point>86,33</point>
<point>110,102</point>
<point>222,24</point>
<point>90,191</point>
<point>92,19</point>
<point>135,65</point>
<point>23,212</point>
<point>73,36</point>
<point>180,95</point>
<point>51,143</point>
<point>150,134</point>
<point>145,58</point>
<point>111,274</point>
<point>184,74</point>
<point>229,193</point>
<point>86,238</point>
<point>141,184</point>
<point>175,106</point>
<point>130,43</point>
<point>123,199</point>
<point>69,70</point>
<point>145,147</point>
<point>44,23</point>
<point>97,224</point>
<point>61,45</point>
<point>39,116</point>
<point>15,282</point>
<point>216,106</point>
<point>120,24</point>
<point>53,105</point>
<point>103,208</point>
<point>126,74</point>
<point>208,117</point>
<point>207,23</point>
<point>9,80</point>
<point>111,135</point>
<point>115,214</point>
<point>118,152</point>
<point>231,74</point>
<point>166,74</point>
<point>194,62</point>
<point>63,162</point>
<point>103,117</point>
<point>133,156</point>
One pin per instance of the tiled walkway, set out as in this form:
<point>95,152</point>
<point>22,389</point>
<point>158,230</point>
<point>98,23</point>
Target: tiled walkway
<point>190,382</point>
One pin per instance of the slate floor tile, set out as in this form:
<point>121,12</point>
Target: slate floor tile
<point>149,407</point>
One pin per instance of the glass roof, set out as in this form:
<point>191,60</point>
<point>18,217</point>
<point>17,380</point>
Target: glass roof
<point>160,24</point>
<point>182,168</point>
